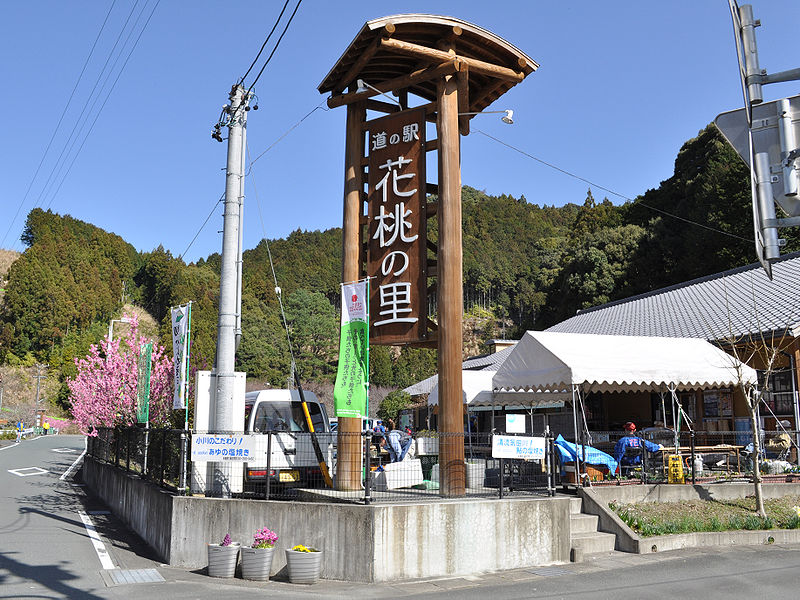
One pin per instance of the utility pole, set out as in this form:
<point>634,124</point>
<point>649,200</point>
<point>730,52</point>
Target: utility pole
<point>226,325</point>
<point>38,377</point>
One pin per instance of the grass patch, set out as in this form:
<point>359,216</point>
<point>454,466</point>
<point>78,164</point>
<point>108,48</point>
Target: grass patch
<point>648,519</point>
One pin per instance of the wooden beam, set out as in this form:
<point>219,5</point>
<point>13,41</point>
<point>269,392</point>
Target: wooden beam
<point>450,293</point>
<point>365,57</point>
<point>398,83</point>
<point>379,106</point>
<point>462,77</point>
<point>433,55</point>
<point>348,476</point>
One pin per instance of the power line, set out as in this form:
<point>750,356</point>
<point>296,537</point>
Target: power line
<point>287,132</point>
<point>610,191</point>
<point>221,198</point>
<point>278,43</point>
<point>58,125</point>
<point>264,45</point>
<point>80,122</point>
<point>105,101</point>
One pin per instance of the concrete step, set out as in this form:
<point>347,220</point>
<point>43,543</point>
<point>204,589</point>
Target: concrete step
<point>591,543</point>
<point>582,523</point>
<point>575,505</point>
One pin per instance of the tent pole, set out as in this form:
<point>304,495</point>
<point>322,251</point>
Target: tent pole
<point>575,397</point>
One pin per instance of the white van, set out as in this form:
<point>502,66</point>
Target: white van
<point>293,461</point>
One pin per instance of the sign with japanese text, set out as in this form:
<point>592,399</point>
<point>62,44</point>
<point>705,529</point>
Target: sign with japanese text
<point>181,319</point>
<point>352,375</point>
<point>397,232</point>
<point>209,447</point>
<point>513,446</point>
<point>144,367</point>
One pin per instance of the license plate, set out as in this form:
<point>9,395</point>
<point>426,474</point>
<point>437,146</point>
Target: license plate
<point>288,476</point>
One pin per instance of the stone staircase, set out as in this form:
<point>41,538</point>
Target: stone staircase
<point>584,537</point>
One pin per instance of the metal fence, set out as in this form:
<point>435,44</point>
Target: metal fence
<point>703,455</point>
<point>157,455</point>
<point>286,465</point>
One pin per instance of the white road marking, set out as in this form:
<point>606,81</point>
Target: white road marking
<point>72,466</point>
<point>33,471</point>
<point>64,450</point>
<point>10,446</point>
<point>99,546</point>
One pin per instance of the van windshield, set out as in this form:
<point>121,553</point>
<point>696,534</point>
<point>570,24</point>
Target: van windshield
<point>286,416</point>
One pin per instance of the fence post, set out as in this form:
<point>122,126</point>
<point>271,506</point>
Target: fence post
<point>163,454</point>
<point>267,474</point>
<point>693,469</point>
<point>644,461</point>
<point>502,476</point>
<point>551,483</point>
<point>117,434</point>
<point>128,450</point>
<point>367,470</point>
<point>183,465</point>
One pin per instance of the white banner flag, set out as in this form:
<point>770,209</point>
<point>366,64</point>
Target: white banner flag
<point>180,353</point>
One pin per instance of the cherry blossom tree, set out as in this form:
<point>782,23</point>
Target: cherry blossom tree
<point>104,390</point>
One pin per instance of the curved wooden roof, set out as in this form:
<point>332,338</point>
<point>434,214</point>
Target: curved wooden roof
<point>383,50</point>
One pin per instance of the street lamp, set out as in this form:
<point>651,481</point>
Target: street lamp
<point>508,115</point>
<point>111,327</point>
<point>363,86</point>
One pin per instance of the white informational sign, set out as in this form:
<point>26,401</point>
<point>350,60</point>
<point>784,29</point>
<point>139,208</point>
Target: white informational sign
<point>217,448</point>
<point>515,423</point>
<point>512,446</point>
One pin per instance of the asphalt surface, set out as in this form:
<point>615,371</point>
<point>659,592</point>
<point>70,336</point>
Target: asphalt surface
<point>47,551</point>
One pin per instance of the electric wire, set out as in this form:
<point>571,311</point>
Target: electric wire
<point>278,43</point>
<point>274,275</point>
<point>264,45</point>
<point>610,191</point>
<point>287,132</point>
<point>105,101</point>
<point>83,116</point>
<point>221,198</point>
<point>58,125</point>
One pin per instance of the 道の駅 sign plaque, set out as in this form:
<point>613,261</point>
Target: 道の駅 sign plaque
<point>396,229</point>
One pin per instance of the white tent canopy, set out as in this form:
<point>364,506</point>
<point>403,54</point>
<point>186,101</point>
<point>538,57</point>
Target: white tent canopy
<point>478,394</point>
<point>545,361</point>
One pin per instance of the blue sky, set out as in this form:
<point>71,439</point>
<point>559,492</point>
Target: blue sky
<point>622,85</point>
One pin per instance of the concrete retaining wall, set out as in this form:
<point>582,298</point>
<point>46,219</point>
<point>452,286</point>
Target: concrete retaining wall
<point>633,494</point>
<point>361,543</point>
<point>596,500</point>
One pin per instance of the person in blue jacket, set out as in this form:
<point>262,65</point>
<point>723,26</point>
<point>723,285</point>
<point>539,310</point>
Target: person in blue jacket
<point>631,440</point>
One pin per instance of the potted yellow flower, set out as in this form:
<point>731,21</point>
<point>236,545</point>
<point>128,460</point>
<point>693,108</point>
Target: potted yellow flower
<point>304,564</point>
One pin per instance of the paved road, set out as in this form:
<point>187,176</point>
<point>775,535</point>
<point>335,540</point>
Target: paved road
<point>47,551</point>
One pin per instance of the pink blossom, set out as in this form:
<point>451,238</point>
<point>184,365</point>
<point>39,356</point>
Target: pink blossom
<point>104,390</point>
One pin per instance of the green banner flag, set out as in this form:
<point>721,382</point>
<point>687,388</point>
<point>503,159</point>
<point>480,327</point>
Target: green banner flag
<point>350,395</point>
<point>143,383</point>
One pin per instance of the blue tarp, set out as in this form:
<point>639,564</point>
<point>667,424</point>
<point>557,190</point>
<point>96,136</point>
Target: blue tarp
<point>568,452</point>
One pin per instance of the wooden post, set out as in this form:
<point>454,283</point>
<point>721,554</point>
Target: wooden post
<point>348,470</point>
<point>450,292</point>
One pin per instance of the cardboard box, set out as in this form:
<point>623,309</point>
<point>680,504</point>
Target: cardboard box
<point>595,472</point>
<point>399,475</point>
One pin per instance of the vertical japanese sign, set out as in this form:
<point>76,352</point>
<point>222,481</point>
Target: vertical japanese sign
<point>181,319</point>
<point>350,395</point>
<point>397,233</point>
<point>143,383</point>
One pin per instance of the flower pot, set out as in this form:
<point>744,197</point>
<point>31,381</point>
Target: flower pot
<point>222,559</point>
<point>256,563</point>
<point>304,567</point>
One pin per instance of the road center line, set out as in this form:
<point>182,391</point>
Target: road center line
<point>99,546</point>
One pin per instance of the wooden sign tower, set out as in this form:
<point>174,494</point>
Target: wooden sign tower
<point>416,69</point>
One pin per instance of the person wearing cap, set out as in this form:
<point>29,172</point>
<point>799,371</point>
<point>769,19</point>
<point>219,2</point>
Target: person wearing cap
<point>631,441</point>
<point>779,444</point>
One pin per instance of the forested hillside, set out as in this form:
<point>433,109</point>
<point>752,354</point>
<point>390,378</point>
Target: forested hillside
<point>526,265</point>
